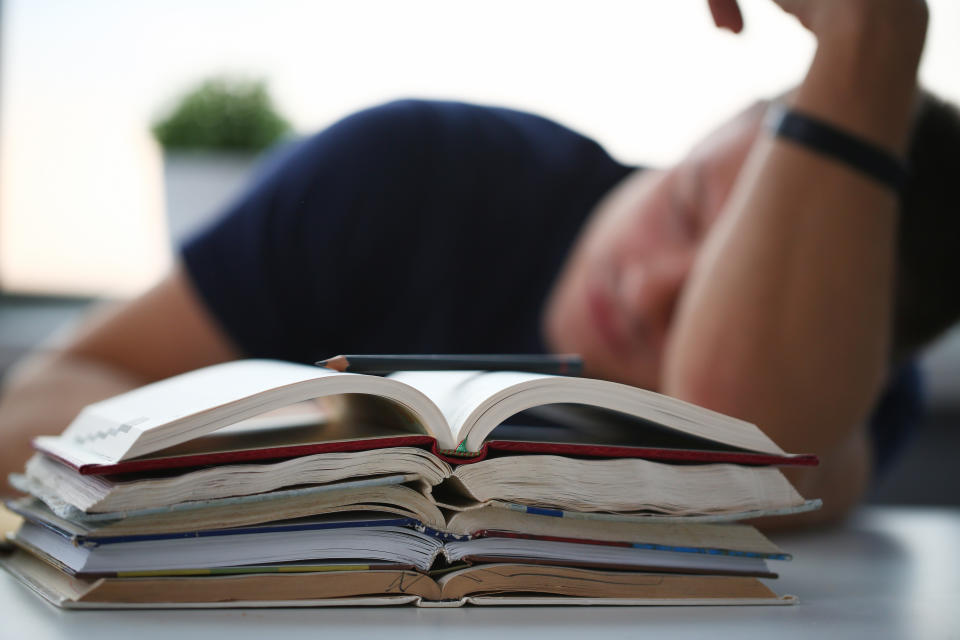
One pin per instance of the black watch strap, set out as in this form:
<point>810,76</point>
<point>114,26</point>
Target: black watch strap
<point>825,138</point>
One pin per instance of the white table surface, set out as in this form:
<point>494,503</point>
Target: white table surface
<point>887,573</point>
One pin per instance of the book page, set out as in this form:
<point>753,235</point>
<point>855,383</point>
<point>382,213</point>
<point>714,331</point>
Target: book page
<point>627,485</point>
<point>183,408</point>
<point>475,403</point>
<point>122,418</point>
<point>592,583</point>
<point>459,393</point>
<point>704,537</point>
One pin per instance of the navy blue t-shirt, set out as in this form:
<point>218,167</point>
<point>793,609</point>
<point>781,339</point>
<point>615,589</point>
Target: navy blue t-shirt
<point>413,227</point>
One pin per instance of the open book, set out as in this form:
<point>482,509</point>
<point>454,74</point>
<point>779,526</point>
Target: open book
<point>620,485</point>
<point>320,541</point>
<point>352,585</point>
<point>222,413</point>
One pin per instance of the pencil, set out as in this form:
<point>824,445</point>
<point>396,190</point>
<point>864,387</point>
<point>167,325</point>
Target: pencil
<point>564,364</point>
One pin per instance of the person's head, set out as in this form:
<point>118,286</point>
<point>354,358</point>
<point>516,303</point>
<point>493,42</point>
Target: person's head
<point>614,300</point>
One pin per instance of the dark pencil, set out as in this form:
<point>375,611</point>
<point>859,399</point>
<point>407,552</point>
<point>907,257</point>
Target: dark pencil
<point>565,364</point>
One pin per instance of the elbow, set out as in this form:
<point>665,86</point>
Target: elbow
<point>841,480</point>
<point>798,407</point>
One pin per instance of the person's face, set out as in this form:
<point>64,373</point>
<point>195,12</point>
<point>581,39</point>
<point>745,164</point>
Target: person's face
<point>614,300</point>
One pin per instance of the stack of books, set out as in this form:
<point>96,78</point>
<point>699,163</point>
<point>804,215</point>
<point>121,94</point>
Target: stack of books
<point>264,483</point>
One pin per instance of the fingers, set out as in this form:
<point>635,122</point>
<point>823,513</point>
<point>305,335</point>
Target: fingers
<point>726,14</point>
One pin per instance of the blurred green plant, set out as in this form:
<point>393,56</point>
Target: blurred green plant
<point>223,114</point>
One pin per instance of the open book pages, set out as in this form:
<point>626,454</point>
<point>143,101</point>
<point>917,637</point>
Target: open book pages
<point>475,402</point>
<point>459,410</point>
<point>98,494</point>
<point>492,520</point>
<point>727,538</point>
<point>387,494</point>
<point>179,409</point>
<point>622,485</point>
<point>352,540</point>
<point>625,485</point>
<point>340,586</point>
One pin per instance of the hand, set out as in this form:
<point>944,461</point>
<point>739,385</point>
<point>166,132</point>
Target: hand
<point>823,17</point>
<point>863,77</point>
<point>726,14</point>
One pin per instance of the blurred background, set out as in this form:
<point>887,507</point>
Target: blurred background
<point>104,169</point>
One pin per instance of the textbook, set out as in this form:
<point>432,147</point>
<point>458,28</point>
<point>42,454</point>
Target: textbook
<point>366,585</point>
<point>265,483</point>
<point>380,539</point>
<point>216,415</point>
<point>492,520</point>
<point>622,485</point>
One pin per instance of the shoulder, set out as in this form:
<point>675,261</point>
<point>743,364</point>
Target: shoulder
<point>408,146</point>
<point>402,131</point>
<point>413,163</point>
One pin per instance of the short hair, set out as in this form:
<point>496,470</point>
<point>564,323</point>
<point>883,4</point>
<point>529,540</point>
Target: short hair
<point>928,239</point>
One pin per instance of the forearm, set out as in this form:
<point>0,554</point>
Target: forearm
<point>41,395</point>
<point>163,332</point>
<point>786,318</point>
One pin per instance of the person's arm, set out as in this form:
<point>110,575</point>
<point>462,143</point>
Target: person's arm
<point>786,318</point>
<point>161,333</point>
